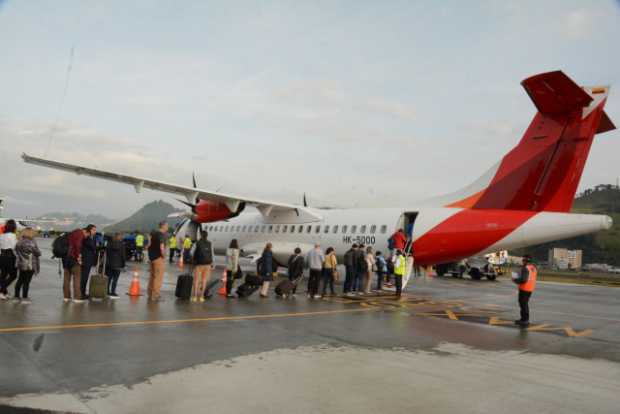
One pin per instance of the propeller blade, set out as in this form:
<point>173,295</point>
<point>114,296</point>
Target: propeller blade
<point>190,205</point>
<point>305,201</point>
<point>194,179</point>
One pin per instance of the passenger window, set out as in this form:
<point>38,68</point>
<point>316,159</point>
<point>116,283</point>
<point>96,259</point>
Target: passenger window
<point>238,229</point>
<point>256,229</point>
<point>373,229</point>
<point>300,229</point>
<point>278,228</point>
<point>363,230</point>
<point>383,229</point>
<point>317,229</point>
<point>344,229</point>
<point>309,229</point>
<point>353,229</point>
<point>263,229</point>
<point>269,229</point>
<point>284,228</point>
<point>326,229</point>
<point>243,228</point>
<point>335,229</point>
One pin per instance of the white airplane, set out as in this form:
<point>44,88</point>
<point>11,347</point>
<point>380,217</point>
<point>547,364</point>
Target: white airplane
<point>21,222</point>
<point>523,200</point>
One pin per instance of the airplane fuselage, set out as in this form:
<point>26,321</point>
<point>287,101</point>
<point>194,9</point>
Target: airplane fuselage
<point>440,235</point>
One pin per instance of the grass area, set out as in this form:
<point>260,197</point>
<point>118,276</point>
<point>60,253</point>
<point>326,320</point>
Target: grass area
<point>582,278</point>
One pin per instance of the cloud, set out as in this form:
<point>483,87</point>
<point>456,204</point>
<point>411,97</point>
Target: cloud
<point>579,23</point>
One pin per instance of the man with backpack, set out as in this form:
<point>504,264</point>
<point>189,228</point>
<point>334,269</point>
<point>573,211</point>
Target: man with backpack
<point>203,265</point>
<point>157,251</point>
<point>349,265</point>
<point>361,269</point>
<point>68,248</point>
<point>89,257</point>
<point>295,268</point>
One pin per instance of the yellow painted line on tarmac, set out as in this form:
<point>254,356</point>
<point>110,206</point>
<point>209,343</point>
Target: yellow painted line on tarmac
<point>176,321</point>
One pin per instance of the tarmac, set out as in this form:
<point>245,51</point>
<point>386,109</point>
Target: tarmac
<point>449,345</point>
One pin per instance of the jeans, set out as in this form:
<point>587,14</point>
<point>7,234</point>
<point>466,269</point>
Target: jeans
<point>173,253</point>
<point>398,282</point>
<point>380,277</point>
<point>23,283</point>
<point>328,279</point>
<point>358,281</point>
<point>313,281</point>
<point>230,281</point>
<point>348,278</point>
<point>524,304</point>
<point>113,275</point>
<point>8,271</point>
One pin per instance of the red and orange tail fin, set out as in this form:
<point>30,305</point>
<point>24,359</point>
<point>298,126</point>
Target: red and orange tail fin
<point>543,171</point>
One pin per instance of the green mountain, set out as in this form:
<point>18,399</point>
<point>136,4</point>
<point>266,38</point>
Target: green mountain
<point>601,247</point>
<point>146,219</point>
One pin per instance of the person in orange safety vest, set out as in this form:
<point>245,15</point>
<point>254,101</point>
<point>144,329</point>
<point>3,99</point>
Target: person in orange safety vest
<point>526,281</point>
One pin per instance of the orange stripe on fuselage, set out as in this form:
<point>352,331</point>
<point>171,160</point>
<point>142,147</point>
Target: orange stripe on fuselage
<point>467,202</point>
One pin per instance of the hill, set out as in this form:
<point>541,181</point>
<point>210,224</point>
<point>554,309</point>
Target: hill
<point>602,247</point>
<point>146,219</point>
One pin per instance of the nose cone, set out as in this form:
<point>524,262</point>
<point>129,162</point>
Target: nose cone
<point>607,222</point>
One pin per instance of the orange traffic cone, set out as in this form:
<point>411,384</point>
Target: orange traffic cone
<point>134,288</point>
<point>222,291</point>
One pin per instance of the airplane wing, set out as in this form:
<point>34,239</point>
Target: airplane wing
<point>232,202</point>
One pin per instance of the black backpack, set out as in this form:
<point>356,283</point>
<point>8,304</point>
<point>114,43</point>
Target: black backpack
<point>203,255</point>
<point>60,246</point>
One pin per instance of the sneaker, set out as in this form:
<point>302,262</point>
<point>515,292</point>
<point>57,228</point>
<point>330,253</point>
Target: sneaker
<point>201,300</point>
<point>317,296</point>
<point>26,301</point>
<point>523,324</point>
<point>66,300</point>
<point>16,299</point>
<point>192,299</point>
<point>78,300</point>
<point>114,296</point>
<point>3,296</point>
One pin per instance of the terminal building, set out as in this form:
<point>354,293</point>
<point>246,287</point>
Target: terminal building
<point>564,259</point>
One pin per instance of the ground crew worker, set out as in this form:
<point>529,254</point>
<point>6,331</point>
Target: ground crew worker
<point>527,283</point>
<point>187,247</point>
<point>139,246</point>
<point>400,268</point>
<point>172,244</point>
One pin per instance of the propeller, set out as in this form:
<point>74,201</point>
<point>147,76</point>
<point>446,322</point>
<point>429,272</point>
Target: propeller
<point>305,201</point>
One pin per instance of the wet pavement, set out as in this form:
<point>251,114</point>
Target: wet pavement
<point>53,355</point>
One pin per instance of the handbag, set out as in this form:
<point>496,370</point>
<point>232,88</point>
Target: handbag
<point>336,275</point>
<point>374,267</point>
<point>238,273</point>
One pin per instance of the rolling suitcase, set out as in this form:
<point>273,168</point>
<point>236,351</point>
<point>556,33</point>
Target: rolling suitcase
<point>284,288</point>
<point>184,286</point>
<point>245,290</point>
<point>98,287</point>
<point>253,280</point>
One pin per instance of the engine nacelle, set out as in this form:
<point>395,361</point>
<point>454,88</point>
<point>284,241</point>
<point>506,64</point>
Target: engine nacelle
<point>209,211</point>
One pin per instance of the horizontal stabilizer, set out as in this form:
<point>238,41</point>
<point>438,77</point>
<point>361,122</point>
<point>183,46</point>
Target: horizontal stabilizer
<point>555,93</point>
<point>605,125</point>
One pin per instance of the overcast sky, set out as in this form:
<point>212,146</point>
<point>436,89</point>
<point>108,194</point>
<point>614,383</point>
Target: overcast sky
<point>356,103</point>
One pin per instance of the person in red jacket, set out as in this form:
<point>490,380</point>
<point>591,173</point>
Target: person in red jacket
<point>72,265</point>
<point>399,240</point>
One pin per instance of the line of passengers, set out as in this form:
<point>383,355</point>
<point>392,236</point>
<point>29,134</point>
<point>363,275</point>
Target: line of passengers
<point>79,253</point>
